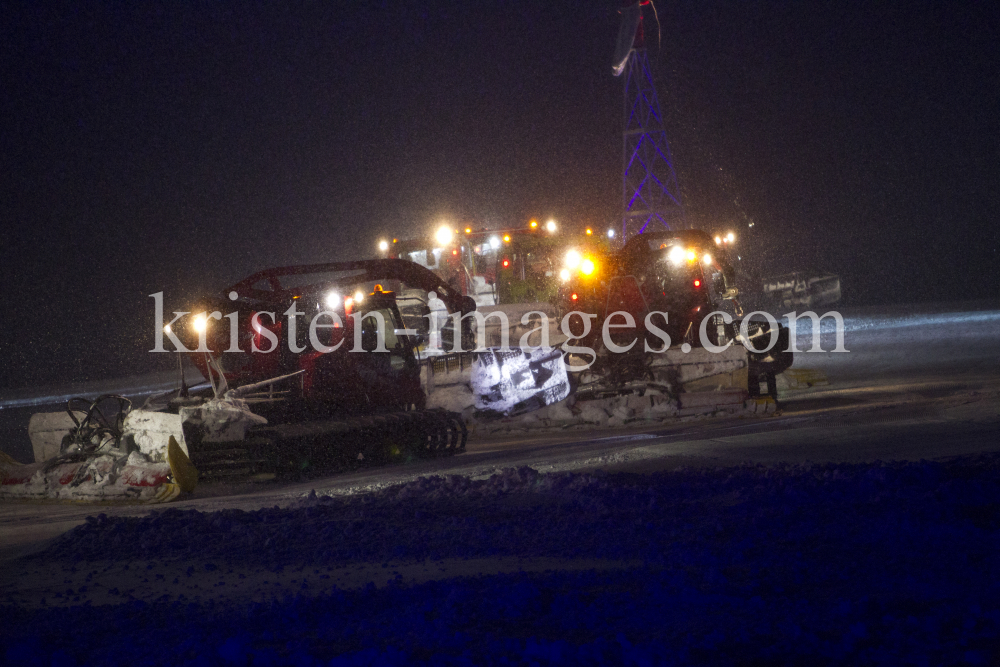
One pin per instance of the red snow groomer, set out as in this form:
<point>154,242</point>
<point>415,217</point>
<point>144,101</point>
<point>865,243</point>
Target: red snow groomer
<point>321,352</point>
<point>309,367</point>
<point>668,284</point>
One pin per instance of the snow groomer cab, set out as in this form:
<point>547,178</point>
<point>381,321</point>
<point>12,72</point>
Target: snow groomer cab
<point>324,338</point>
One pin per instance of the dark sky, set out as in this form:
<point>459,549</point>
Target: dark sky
<point>179,146</point>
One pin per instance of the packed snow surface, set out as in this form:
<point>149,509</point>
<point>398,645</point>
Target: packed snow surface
<point>852,564</point>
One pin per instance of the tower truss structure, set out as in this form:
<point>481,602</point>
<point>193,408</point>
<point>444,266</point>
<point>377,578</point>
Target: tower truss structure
<point>650,192</point>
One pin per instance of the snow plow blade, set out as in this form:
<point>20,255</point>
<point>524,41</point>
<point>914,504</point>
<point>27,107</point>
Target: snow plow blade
<point>102,451</point>
<point>101,478</point>
<point>147,431</point>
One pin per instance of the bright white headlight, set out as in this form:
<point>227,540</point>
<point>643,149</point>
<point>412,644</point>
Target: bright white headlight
<point>444,235</point>
<point>572,259</point>
<point>676,255</point>
<point>332,300</point>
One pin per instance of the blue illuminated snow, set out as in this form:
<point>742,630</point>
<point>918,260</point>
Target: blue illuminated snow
<point>852,564</point>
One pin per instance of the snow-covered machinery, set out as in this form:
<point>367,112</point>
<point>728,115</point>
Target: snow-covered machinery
<point>459,261</point>
<point>803,289</point>
<point>323,354</point>
<point>512,271</point>
<point>674,286</point>
<point>315,368</point>
<point>102,451</point>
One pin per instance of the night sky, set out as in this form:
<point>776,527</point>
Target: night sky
<point>176,147</point>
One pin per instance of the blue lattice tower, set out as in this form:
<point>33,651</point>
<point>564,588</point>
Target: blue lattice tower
<point>649,184</point>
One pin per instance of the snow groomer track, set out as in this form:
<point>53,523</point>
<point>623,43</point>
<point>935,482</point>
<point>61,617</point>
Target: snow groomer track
<point>423,433</point>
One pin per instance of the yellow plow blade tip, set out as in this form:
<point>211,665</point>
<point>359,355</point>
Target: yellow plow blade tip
<point>165,493</point>
<point>184,472</point>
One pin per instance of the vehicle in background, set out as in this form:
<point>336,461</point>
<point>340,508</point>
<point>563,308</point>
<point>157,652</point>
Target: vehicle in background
<point>665,283</point>
<point>495,267</point>
<point>802,289</point>
<point>684,274</point>
<point>465,262</point>
<point>512,270</point>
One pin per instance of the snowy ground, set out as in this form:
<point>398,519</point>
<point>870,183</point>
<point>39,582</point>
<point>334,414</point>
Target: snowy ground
<point>815,552</point>
<point>857,564</point>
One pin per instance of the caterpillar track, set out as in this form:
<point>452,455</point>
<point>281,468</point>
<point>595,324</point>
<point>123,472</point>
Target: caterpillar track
<point>331,443</point>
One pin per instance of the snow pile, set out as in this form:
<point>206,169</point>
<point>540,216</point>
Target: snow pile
<point>849,564</point>
<point>453,397</point>
<point>221,419</point>
<point>150,432</point>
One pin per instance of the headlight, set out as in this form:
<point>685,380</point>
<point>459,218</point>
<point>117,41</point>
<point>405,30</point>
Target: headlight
<point>494,242</point>
<point>676,255</point>
<point>707,259</point>
<point>359,296</point>
<point>444,235</point>
<point>587,267</point>
<point>383,245</point>
<point>690,255</point>
<point>564,275</point>
<point>550,226</point>
<point>572,259</point>
<point>200,323</point>
<point>332,300</point>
